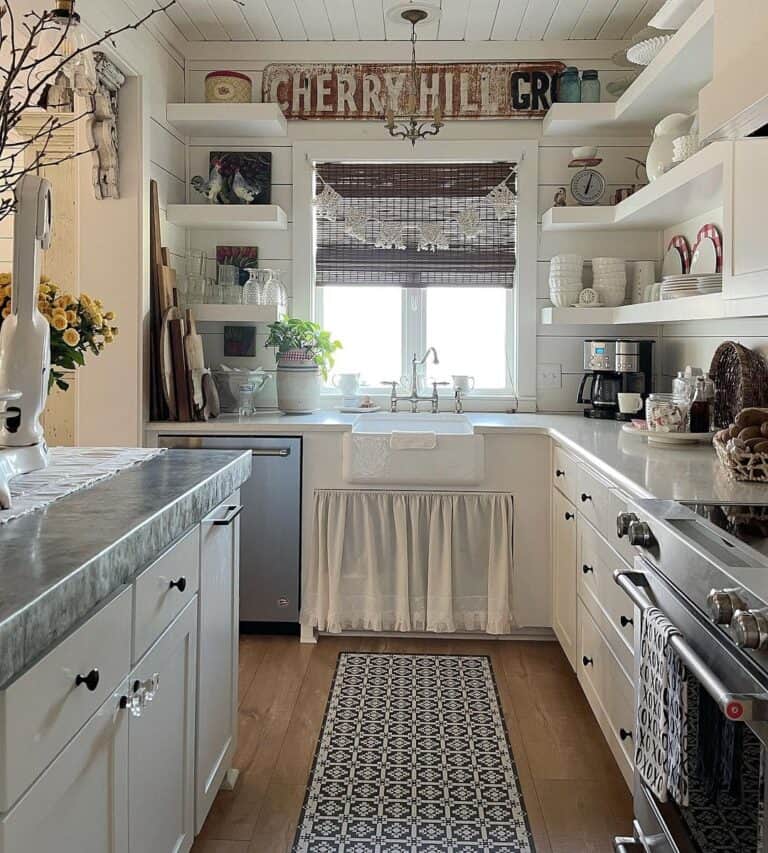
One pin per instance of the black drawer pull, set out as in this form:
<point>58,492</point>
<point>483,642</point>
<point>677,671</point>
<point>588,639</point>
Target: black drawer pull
<point>587,661</point>
<point>585,497</point>
<point>180,584</point>
<point>232,514</point>
<point>91,681</point>
<point>624,734</point>
<point>569,516</point>
<point>559,473</point>
<point>587,569</point>
<point>626,621</point>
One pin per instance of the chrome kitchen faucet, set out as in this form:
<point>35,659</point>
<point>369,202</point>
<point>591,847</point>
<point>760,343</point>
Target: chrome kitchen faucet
<point>414,398</point>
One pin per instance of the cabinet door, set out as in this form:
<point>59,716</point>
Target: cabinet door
<point>80,803</point>
<point>745,265</point>
<point>162,739</point>
<point>217,652</point>
<point>564,556</point>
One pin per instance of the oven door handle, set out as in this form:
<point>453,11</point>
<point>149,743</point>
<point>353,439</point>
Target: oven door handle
<point>735,706</point>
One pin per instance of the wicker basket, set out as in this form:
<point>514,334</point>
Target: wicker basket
<point>741,378</point>
<point>741,464</point>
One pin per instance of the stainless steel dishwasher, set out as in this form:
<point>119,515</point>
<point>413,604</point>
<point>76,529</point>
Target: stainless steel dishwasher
<point>270,527</point>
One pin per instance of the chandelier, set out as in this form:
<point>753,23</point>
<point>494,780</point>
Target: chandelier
<point>411,126</point>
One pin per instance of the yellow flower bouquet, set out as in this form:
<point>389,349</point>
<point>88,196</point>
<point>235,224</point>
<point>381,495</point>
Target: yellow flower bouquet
<point>79,325</point>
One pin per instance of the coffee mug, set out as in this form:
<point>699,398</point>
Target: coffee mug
<point>629,404</point>
<point>347,383</point>
<point>462,382</point>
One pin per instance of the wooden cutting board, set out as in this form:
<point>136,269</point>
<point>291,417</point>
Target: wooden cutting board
<point>212,405</point>
<point>180,371</point>
<point>158,407</point>
<point>193,349</point>
<point>166,362</point>
<point>167,280</point>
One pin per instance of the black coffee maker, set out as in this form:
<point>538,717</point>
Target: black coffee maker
<point>614,367</point>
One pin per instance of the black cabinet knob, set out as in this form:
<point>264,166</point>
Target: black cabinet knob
<point>559,473</point>
<point>91,681</point>
<point>585,497</point>
<point>569,516</point>
<point>587,661</point>
<point>180,584</point>
<point>624,734</point>
<point>587,569</point>
<point>626,621</point>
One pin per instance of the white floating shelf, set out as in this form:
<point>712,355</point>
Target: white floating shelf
<point>687,190</point>
<point>216,216</point>
<point>711,306</point>
<point>236,314</point>
<point>227,120</point>
<point>670,84</point>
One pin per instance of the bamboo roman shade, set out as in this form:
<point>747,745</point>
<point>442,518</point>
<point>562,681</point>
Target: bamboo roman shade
<point>415,194</point>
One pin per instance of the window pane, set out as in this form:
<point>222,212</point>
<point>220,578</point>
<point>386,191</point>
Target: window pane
<point>368,322</point>
<point>467,326</point>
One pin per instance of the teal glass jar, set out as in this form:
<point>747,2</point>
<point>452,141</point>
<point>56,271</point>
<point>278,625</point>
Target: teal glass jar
<point>590,87</point>
<point>569,86</point>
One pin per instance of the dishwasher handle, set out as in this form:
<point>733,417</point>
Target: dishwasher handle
<point>271,451</point>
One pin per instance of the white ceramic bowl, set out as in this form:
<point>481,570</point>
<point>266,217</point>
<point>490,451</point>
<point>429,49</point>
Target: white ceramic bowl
<point>611,279</point>
<point>608,262</point>
<point>611,296</point>
<point>567,259</point>
<point>570,284</point>
<point>584,152</point>
<point>644,52</point>
<point>564,298</point>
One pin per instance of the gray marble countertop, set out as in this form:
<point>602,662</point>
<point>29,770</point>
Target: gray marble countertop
<point>58,564</point>
<point>683,474</point>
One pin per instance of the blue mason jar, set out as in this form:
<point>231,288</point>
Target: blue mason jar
<point>569,86</point>
<point>590,87</point>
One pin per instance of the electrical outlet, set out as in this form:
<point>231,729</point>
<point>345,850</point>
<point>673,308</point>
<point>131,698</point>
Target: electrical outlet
<point>549,376</point>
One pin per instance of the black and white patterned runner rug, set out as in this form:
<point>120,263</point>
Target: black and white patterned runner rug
<point>413,757</point>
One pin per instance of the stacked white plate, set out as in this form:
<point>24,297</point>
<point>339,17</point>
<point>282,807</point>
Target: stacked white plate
<point>565,279</point>
<point>610,280</point>
<point>680,286</point>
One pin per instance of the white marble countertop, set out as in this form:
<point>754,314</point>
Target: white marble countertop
<point>683,474</point>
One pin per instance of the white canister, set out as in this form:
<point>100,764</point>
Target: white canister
<point>643,274</point>
<point>298,390</point>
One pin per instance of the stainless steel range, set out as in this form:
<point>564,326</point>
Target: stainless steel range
<point>712,584</point>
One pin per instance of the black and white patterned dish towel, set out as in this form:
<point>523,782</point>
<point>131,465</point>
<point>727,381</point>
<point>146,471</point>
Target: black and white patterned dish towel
<point>661,751</point>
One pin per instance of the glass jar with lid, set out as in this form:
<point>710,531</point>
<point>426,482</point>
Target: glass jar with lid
<point>569,86</point>
<point>667,413</point>
<point>590,87</point>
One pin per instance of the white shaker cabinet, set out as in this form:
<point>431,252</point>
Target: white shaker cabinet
<point>745,262</point>
<point>161,762</point>
<point>217,652</point>
<point>80,803</point>
<point>564,556</point>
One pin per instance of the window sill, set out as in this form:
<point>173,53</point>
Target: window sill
<point>477,401</point>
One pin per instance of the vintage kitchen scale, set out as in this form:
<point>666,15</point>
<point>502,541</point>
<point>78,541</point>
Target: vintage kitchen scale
<point>25,351</point>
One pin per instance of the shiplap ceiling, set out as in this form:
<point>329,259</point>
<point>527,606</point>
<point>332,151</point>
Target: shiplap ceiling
<point>367,20</point>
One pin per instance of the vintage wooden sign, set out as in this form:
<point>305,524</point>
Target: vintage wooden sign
<point>468,90</point>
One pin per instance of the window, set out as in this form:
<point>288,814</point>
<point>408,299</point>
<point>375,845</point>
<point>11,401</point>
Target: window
<point>385,304</point>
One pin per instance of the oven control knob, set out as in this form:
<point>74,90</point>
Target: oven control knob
<point>623,520</point>
<point>750,629</point>
<point>723,603</point>
<point>640,535</point>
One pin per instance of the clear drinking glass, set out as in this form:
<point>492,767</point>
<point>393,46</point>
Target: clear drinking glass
<point>229,284</point>
<point>196,289</point>
<point>195,262</point>
<point>252,289</point>
<point>274,292</point>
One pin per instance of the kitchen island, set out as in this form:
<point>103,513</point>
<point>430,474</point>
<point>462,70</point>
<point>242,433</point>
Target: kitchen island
<point>118,620</point>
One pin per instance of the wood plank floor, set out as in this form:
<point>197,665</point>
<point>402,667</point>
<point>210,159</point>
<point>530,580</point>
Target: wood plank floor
<point>576,798</point>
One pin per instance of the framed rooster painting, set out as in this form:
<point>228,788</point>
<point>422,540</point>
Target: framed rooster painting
<point>237,177</point>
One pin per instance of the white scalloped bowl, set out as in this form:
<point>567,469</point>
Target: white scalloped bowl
<point>644,52</point>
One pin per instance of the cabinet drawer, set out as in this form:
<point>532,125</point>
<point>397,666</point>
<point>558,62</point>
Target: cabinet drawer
<point>608,690</point>
<point>80,803</point>
<point>43,709</point>
<point>593,501</point>
<point>565,473</point>
<point>164,589</point>
<point>609,605</point>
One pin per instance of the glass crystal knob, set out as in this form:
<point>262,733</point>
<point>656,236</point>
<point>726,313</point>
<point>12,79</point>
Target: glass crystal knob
<point>723,604</point>
<point>623,520</point>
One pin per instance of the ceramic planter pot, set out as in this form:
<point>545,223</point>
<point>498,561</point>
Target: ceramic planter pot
<point>298,388</point>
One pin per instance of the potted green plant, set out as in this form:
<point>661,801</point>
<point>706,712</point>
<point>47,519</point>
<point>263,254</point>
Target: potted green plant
<point>304,352</point>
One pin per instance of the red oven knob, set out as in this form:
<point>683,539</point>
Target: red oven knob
<point>734,710</point>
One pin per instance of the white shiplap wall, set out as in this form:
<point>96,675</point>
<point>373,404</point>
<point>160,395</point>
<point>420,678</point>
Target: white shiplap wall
<point>554,345</point>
